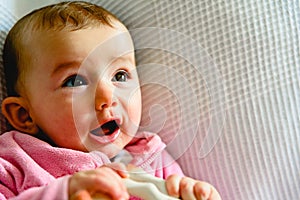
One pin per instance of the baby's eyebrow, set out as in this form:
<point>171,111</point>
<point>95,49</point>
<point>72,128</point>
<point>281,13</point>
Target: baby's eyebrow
<point>125,58</point>
<point>64,65</point>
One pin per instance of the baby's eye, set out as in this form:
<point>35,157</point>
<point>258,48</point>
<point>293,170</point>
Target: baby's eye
<point>75,81</point>
<point>120,76</point>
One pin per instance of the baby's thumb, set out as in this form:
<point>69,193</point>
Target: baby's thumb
<point>100,196</point>
<point>81,195</point>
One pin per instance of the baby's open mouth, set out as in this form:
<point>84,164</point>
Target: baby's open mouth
<point>106,129</point>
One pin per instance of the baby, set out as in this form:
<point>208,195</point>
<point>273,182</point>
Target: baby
<point>74,103</point>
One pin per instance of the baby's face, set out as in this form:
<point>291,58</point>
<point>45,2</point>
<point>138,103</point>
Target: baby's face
<point>82,88</point>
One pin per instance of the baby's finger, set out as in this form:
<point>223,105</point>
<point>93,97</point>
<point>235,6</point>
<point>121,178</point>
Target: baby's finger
<point>108,180</point>
<point>214,195</point>
<point>186,188</point>
<point>120,168</point>
<point>205,191</point>
<point>172,185</point>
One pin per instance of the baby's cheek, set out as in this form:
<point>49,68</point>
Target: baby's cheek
<point>135,108</point>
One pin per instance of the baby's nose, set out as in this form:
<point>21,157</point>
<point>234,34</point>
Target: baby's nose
<point>104,97</point>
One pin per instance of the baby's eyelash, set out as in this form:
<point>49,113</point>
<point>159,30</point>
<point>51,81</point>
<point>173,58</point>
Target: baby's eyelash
<point>121,76</point>
<point>74,81</point>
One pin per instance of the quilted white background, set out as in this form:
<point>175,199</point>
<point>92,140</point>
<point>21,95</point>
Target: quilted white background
<point>221,82</point>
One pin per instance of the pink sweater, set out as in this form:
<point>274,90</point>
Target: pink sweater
<point>32,169</point>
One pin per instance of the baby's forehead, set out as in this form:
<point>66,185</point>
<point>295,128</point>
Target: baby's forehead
<point>35,40</point>
<point>31,36</point>
<point>116,43</point>
<point>32,33</point>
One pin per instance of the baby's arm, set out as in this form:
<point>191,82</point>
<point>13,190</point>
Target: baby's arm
<point>143,185</point>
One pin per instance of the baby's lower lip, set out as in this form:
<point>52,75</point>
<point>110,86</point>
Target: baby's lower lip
<point>102,138</point>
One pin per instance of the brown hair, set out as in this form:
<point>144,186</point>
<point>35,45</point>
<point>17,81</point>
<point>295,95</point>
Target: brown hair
<point>68,16</point>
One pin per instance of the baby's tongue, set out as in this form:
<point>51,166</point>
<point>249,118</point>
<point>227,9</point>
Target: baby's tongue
<point>105,130</point>
<point>109,127</point>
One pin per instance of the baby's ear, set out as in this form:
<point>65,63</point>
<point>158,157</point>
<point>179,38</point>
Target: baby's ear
<point>16,112</point>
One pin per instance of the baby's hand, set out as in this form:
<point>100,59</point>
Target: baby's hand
<point>106,180</point>
<point>188,188</point>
